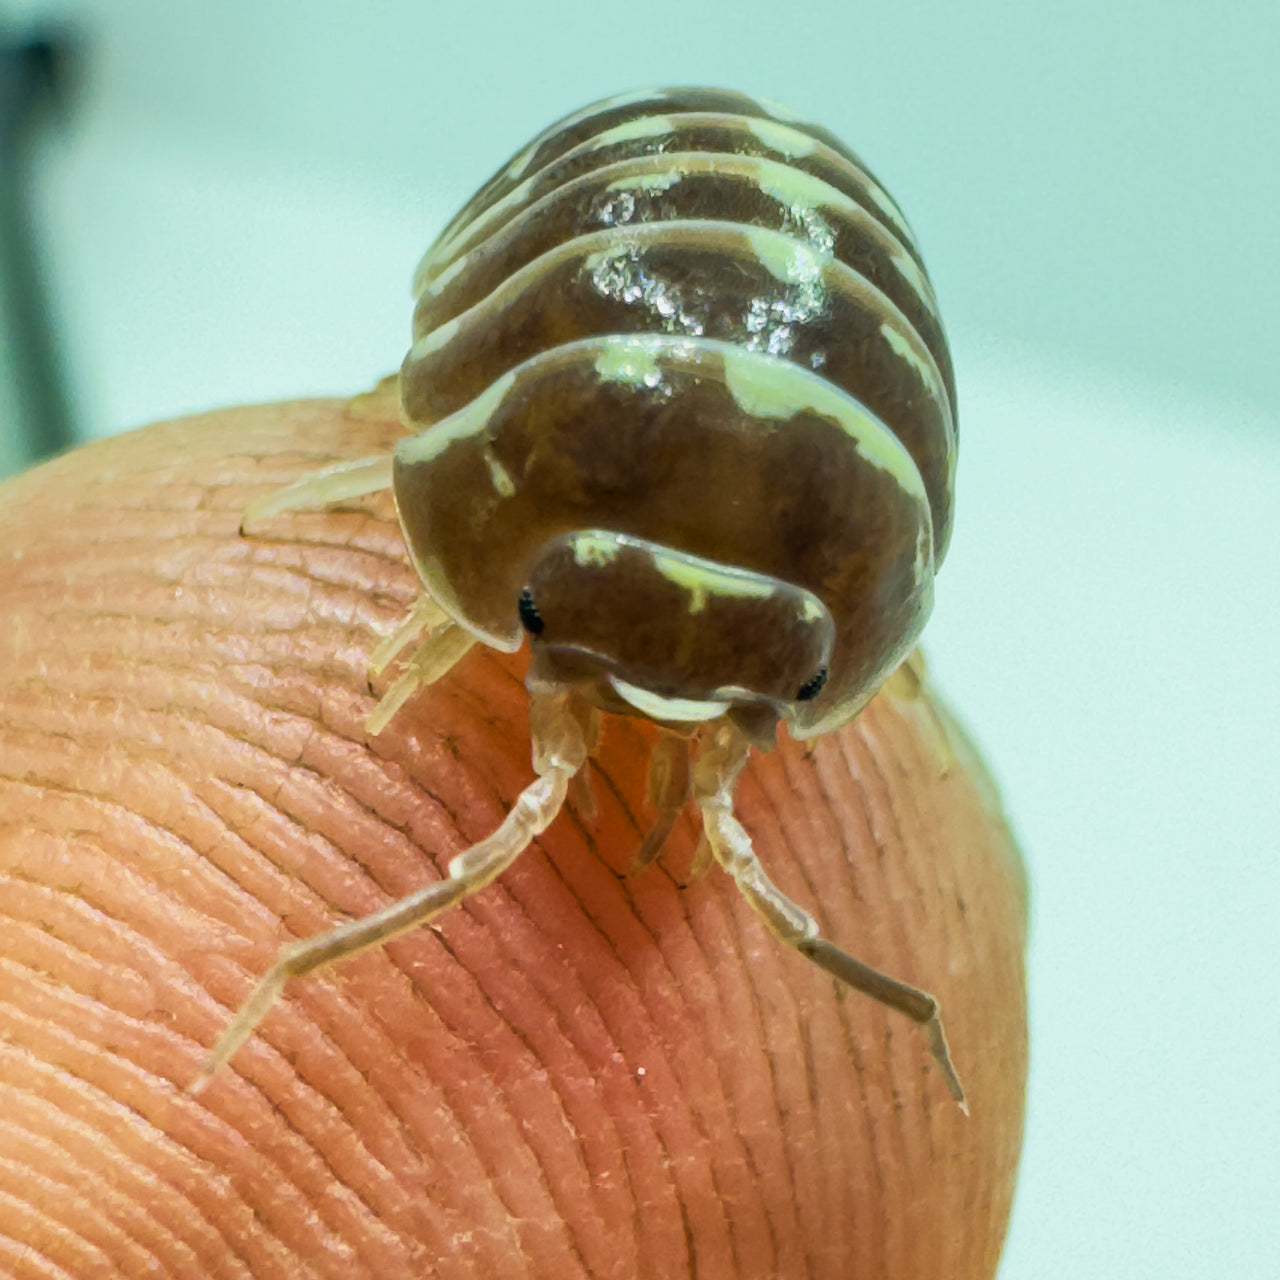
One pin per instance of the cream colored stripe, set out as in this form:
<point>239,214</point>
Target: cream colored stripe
<point>776,135</point>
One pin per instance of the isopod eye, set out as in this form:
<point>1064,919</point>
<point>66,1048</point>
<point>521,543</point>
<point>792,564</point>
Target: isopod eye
<point>530,618</point>
<point>812,686</point>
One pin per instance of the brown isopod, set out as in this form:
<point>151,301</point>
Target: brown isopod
<point>683,414</point>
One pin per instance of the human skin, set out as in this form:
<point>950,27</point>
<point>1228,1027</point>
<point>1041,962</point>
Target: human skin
<point>577,1073</point>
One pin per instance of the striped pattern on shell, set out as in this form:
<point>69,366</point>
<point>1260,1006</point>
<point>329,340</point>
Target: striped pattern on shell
<point>685,316</point>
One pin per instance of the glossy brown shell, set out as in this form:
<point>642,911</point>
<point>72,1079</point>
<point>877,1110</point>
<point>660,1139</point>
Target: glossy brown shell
<point>686,317</point>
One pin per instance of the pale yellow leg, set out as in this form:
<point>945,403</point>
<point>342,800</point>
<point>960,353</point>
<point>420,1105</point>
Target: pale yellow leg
<point>715,774</point>
<point>582,793</point>
<point>425,615</point>
<point>323,488</point>
<point>668,788</point>
<point>703,859</point>
<point>558,751</point>
<point>431,660</point>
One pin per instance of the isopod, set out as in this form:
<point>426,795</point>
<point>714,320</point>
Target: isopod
<point>682,415</point>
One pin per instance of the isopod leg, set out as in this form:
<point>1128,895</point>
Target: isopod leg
<point>715,774</point>
<point>323,488</point>
<point>432,658</point>
<point>918,1005</point>
<point>559,753</point>
<point>703,859</point>
<point>581,793</point>
<point>425,615</point>
<point>668,789</point>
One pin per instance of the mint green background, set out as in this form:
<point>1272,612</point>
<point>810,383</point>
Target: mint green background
<point>1097,188</point>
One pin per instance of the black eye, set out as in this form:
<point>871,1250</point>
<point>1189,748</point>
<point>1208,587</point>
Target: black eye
<point>812,686</point>
<point>531,619</point>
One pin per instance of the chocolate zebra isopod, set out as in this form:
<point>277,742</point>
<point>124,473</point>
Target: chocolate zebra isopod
<point>682,414</point>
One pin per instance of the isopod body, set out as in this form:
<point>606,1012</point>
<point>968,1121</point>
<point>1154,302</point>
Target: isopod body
<point>681,412</point>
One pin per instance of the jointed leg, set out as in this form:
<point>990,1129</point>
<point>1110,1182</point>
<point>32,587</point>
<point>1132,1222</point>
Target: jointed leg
<point>559,752</point>
<point>323,488</point>
<point>446,643</point>
<point>425,615</point>
<point>703,859</point>
<point>433,657</point>
<point>715,774</point>
<point>668,789</point>
<point>581,793</point>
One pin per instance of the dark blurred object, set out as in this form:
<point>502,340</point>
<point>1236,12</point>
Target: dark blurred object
<point>36,71</point>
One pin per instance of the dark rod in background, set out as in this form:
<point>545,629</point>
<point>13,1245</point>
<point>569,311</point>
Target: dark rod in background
<point>33,77</point>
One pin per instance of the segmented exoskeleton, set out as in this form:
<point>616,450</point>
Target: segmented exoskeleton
<point>682,414</point>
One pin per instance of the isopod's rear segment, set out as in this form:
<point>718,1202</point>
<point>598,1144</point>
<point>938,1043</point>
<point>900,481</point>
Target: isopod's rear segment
<point>683,319</point>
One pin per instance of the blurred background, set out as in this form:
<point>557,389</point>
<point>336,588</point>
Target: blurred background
<point>206,204</point>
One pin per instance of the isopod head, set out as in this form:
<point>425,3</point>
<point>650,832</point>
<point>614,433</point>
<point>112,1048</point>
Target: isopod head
<point>677,638</point>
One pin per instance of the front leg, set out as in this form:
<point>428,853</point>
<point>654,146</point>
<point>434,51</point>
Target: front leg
<point>715,775</point>
<point>559,751</point>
